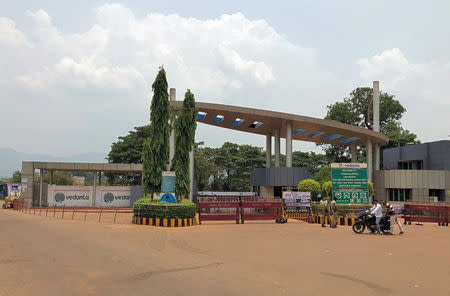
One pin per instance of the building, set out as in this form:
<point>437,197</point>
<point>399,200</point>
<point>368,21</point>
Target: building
<point>418,172</point>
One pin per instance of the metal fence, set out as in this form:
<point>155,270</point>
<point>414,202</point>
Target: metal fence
<point>86,214</point>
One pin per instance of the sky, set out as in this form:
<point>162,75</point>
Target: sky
<point>76,75</point>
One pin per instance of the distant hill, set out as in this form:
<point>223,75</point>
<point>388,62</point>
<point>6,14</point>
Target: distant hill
<point>11,160</point>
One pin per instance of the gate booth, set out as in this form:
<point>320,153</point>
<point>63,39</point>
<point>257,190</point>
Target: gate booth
<point>239,208</point>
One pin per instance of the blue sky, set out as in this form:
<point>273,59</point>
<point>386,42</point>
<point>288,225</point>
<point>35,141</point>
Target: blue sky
<point>79,71</point>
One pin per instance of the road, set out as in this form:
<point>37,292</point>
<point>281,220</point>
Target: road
<point>47,256</point>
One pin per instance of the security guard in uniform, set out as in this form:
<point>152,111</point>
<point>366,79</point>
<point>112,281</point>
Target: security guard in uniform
<point>334,212</point>
<point>326,212</point>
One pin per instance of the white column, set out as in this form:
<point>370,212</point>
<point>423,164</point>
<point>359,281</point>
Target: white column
<point>369,160</point>
<point>354,153</point>
<point>191,174</point>
<point>277,147</point>
<point>94,188</point>
<point>288,144</point>
<point>376,120</point>
<point>268,150</point>
<point>172,97</point>
<point>377,157</point>
<point>41,181</point>
<point>376,106</point>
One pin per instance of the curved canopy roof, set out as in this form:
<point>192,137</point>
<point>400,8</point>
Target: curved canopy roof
<point>304,128</point>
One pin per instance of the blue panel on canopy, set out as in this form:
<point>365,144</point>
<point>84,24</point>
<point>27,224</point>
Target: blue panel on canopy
<point>219,118</point>
<point>298,131</point>
<point>313,135</point>
<point>237,122</point>
<point>349,140</point>
<point>201,115</point>
<point>329,138</point>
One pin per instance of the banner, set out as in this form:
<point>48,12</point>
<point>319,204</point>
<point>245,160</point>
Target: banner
<point>297,201</point>
<point>113,196</point>
<point>72,196</point>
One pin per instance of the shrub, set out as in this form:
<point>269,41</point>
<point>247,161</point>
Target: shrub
<point>326,189</point>
<point>309,185</point>
<point>371,189</point>
<point>343,210</point>
<point>146,207</point>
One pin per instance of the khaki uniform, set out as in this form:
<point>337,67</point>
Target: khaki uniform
<point>334,212</point>
<point>326,213</point>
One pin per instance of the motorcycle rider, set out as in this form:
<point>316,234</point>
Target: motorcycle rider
<point>378,212</point>
<point>393,217</point>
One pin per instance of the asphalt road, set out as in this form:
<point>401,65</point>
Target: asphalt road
<point>47,256</point>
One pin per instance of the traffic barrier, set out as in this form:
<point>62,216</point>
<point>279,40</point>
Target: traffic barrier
<point>426,213</point>
<point>221,211</point>
<point>164,222</point>
<point>343,221</point>
<point>262,210</point>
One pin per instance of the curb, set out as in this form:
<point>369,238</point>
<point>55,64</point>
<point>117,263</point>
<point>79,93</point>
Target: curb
<point>340,221</point>
<point>164,222</point>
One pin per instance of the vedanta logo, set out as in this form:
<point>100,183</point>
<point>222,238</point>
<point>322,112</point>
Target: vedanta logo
<point>60,197</point>
<point>110,197</point>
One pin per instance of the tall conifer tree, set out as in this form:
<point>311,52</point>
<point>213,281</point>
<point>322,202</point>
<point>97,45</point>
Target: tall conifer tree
<point>185,127</point>
<point>155,154</point>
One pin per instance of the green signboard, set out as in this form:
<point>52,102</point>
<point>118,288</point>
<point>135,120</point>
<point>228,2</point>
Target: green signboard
<point>350,196</point>
<point>349,178</point>
<point>349,182</point>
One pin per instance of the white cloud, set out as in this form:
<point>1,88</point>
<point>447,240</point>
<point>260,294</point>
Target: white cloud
<point>10,36</point>
<point>41,17</point>
<point>422,87</point>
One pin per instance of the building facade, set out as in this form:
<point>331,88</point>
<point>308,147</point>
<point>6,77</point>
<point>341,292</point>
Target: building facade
<point>418,172</point>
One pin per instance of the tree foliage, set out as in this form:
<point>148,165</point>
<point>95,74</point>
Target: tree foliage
<point>355,110</point>
<point>326,189</point>
<point>310,185</point>
<point>313,161</point>
<point>323,175</point>
<point>155,154</point>
<point>128,149</point>
<point>16,177</point>
<point>185,127</point>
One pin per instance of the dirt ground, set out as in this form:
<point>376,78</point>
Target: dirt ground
<point>47,256</point>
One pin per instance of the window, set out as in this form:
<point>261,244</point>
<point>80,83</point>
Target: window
<point>399,194</point>
<point>436,194</point>
<point>410,165</point>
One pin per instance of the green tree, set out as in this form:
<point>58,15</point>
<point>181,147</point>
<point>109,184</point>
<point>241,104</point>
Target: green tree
<point>326,189</point>
<point>128,149</point>
<point>59,178</point>
<point>355,110</point>
<point>185,127</point>
<point>310,185</point>
<point>323,175</point>
<point>371,189</point>
<point>16,177</point>
<point>155,154</point>
<point>313,161</point>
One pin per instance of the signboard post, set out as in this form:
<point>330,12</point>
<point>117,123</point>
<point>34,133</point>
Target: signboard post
<point>168,187</point>
<point>349,183</point>
<point>297,201</point>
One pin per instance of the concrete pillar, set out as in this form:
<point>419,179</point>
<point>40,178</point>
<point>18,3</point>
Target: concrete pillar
<point>191,174</point>
<point>354,153</point>
<point>95,187</point>
<point>172,97</point>
<point>288,144</point>
<point>369,160</point>
<point>376,106</point>
<point>268,150</point>
<point>277,147</point>
<point>99,178</point>
<point>376,120</point>
<point>377,157</point>
<point>51,177</point>
<point>41,181</point>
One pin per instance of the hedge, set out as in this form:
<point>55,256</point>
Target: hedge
<point>343,210</point>
<point>145,207</point>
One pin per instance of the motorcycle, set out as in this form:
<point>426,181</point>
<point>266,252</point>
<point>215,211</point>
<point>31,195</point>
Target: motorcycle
<point>365,219</point>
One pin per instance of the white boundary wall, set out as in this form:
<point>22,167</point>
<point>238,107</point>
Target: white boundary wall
<point>113,196</point>
<point>72,196</point>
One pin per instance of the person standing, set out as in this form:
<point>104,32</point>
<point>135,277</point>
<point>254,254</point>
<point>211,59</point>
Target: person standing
<point>378,212</point>
<point>326,212</point>
<point>334,212</point>
<point>393,217</point>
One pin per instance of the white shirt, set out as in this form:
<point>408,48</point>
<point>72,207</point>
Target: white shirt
<point>377,210</point>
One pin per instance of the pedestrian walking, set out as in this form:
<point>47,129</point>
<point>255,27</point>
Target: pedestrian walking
<point>334,212</point>
<point>393,217</point>
<point>326,212</point>
<point>378,212</point>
